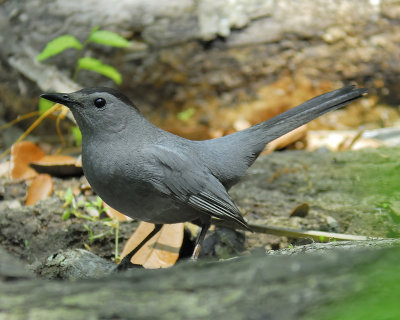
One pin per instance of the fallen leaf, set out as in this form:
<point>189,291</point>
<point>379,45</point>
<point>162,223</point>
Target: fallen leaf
<point>161,251</point>
<point>56,159</point>
<point>300,211</point>
<point>23,153</point>
<point>287,139</point>
<point>112,213</point>
<point>40,188</point>
<point>57,165</point>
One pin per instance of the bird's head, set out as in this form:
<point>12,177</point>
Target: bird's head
<point>97,109</point>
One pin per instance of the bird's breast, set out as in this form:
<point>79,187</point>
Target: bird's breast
<point>117,178</point>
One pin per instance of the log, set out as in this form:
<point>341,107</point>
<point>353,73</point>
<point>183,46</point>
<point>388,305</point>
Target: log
<point>302,286</point>
<point>196,53</point>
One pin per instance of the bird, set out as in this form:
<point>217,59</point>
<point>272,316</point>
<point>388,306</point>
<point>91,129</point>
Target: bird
<point>155,176</point>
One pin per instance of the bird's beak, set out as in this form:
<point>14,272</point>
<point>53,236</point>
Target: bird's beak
<point>62,98</point>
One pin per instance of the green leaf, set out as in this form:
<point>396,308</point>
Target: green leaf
<point>109,38</point>
<point>186,114</point>
<point>96,65</point>
<point>99,203</point>
<point>89,205</point>
<point>44,105</point>
<point>58,45</point>
<point>95,28</point>
<point>68,196</point>
<point>77,135</point>
<point>66,214</point>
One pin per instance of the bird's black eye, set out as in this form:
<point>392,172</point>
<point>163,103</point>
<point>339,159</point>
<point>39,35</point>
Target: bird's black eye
<point>99,102</point>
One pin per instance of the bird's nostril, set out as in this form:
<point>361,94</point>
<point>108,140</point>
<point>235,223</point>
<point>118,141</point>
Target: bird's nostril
<point>65,96</point>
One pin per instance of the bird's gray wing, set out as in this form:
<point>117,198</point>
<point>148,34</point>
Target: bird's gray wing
<point>178,174</point>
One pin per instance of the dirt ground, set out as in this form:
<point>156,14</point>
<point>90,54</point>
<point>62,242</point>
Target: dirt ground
<point>354,192</point>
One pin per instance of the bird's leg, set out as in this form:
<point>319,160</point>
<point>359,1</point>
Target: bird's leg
<point>199,240</point>
<point>126,261</point>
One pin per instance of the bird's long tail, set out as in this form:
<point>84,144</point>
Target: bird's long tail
<point>274,128</point>
<point>234,153</point>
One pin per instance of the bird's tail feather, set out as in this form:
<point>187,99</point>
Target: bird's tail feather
<point>234,153</point>
<point>271,129</point>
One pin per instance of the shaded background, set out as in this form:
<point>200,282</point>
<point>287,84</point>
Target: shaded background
<point>232,63</point>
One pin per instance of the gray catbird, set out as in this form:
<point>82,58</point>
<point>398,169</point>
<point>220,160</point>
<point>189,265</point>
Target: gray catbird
<point>153,175</point>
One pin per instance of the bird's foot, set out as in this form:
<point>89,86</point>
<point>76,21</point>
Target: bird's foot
<point>126,265</point>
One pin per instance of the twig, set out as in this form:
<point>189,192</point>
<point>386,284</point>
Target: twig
<point>319,236</point>
<point>33,126</point>
<point>19,118</point>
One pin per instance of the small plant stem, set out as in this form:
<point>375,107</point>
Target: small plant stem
<point>116,254</point>
<point>32,127</point>
<point>76,70</point>
<point>100,235</point>
<point>18,119</point>
<point>60,117</point>
<point>86,217</point>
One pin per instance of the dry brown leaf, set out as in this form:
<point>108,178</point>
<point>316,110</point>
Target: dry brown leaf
<point>56,159</point>
<point>114,214</point>
<point>23,153</point>
<point>287,139</point>
<point>57,165</point>
<point>161,251</point>
<point>40,188</point>
<point>300,211</point>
